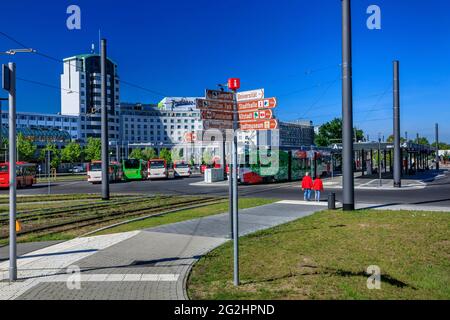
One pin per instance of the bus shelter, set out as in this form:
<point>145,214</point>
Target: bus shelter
<point>373,156</point>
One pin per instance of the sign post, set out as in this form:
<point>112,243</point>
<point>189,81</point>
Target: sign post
<point>234,85</point>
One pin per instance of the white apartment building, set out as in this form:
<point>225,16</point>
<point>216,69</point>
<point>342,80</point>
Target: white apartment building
<point>160,126</point>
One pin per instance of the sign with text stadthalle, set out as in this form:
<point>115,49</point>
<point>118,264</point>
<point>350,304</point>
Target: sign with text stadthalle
<point>250,95</point>
<point>269,103</point>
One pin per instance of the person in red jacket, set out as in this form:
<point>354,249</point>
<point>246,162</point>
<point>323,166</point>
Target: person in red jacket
<point>307,185</point>
<point>318,188</point>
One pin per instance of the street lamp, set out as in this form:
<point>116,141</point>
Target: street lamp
<point>9,84</point>
<point>12,52</point>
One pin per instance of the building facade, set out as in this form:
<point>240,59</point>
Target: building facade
<point>295,134</point>
<point>162,125</point>
<point>81,95</point>
<point>67,125</point>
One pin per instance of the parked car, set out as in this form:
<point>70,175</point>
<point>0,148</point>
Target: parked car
<point>76,169</point>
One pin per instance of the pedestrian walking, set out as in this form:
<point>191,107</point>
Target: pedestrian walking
<point>318,188</point>
<point>307,185</point>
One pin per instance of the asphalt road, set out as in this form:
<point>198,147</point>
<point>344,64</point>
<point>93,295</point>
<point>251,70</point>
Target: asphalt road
<point>437,193</point>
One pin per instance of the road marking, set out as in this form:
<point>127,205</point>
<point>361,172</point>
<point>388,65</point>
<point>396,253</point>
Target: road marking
<point>126,277</point>
<point>306,203</point>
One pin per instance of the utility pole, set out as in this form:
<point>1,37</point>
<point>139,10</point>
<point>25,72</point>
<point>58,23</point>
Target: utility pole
<point>397,148</point>
<point>380,178</point>
<point>9,84</point>
<point>104,107</point>
<point>437,147</point>
<point>347,110</point>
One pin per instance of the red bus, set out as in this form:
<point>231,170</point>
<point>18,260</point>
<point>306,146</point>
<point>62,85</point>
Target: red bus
<point>26,175</point>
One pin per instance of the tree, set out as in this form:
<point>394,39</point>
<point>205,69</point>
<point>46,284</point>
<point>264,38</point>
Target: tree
<point>390,139</point>
<point>422,140</point>
<point>93,150</point>
<point>136,154</point>
<point>71,153</point>
<point>331,132</point>
<point>166,155</point>
<point>207,157</point>
<point>55,157</point>
<point>148,154</point>
<point>442,146</point>
<point>25,148</point>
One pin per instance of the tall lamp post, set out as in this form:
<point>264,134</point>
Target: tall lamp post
<point>9,84</point>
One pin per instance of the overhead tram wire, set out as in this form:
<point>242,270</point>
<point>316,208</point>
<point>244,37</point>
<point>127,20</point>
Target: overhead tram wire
<point>73,65</point>
<point>46,85</point>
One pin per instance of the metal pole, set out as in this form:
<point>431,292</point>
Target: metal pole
<point>235,193</point>
<point>397,148</point>
<point>12,174</point>
<point>48,171</point>
<point>105,144</point>
<point>347,110</point>
<point>379,163</point>
<point>230,189</point>
<point>437,147</point>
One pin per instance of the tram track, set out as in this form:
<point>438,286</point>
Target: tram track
<point>37,214</point>
<point>115,215</point>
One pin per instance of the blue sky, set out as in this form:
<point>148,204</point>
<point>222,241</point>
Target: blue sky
<point>291,48</point>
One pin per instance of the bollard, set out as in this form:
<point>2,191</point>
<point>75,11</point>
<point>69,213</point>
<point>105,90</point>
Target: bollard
<point>332,201</point>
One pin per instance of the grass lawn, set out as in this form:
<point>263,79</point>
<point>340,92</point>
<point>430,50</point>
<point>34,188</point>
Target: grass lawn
<point>326,256</point>
<point>63,178</point>
<point>186,215</point>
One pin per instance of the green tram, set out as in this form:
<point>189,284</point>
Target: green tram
<point>288,165</point>
<point>134,169</point>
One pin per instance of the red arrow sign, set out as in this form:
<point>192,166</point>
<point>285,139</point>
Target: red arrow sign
<point>256,115</point>
<point>259,125</point>
<point>269,103</point>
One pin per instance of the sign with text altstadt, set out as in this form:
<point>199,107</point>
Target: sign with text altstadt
<point>256,115</point>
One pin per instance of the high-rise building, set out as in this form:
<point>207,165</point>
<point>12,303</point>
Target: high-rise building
<point>81,94</point>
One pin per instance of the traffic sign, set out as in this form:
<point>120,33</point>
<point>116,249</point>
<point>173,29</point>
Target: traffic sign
<point>219,95</point>
<point>203,104</point>
<point>269,103</point>
<point>212,114</point>
<point>190,137</point>
<point>259,125</point>
<point>250,95</point>
<point>256,115</point>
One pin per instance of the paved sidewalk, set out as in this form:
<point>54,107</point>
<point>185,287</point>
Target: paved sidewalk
<point>151,264</point>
